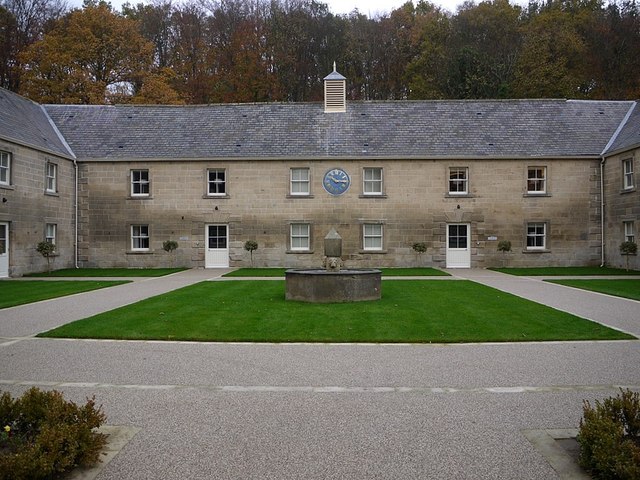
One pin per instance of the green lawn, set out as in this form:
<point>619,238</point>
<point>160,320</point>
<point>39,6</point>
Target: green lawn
<point>387,272</point>
<point>19,292</point>
<point>619,288</point>
<point>565,271</point>
<point>109,272</point>
<point>409,311</point>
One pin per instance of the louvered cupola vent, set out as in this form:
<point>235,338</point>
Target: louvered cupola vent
<point>335,92</point>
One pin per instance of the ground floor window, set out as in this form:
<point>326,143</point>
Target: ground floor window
<point>50,231</point>
<point>217,237</point>
<point>629,231</point>
<point>458,236</point>
<point>300,236</point>
<point>372,236</point>
<point>139,237</point>
<point>536,236</point>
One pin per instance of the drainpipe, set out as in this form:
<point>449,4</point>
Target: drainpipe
<point>75,205</point>
<point>602,210</point>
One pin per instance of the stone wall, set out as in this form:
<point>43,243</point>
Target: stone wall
<point>621,205</point>
<point>28,208</point>
<point>415,207</point>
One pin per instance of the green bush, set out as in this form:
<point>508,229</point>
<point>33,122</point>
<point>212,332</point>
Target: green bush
<point>609,437</point>
<point>42,435</point>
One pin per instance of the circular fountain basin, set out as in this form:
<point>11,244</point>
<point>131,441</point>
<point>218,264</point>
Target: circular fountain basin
<point>317,285</point>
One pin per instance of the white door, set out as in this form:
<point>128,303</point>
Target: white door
<point>458,248</point>
<point>217,248</point>
<point>4,250</point>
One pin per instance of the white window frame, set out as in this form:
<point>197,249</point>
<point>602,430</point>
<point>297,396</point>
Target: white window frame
<point>629,231</point>
<point>458,182</point>
<point>300,182</point>
<point>539,182</point>
<point>50,232</point>
<point>372,237</point>
<point>372,181</point>
<point>5,168</point>
<point>535,235</point>
<point>140,183</point>
<point>300,237</point>
<point>140,236</point>
<point>627,174</point>
<point>51,177</point>
<point>218,183</point>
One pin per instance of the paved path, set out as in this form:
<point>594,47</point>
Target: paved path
<point>278,411</point>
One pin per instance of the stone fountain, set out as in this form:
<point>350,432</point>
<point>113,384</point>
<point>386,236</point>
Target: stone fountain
<point>333,283</point>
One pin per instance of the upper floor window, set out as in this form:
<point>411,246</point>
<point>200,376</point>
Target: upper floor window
<point>216,181</point>
<point>139,183</point>
<point>372,181</point>
<point>51,174</point>
<point>139,237</point>
<point>537,180</point>
<point>50,233</point>
<point>372,236</point>
<point>458,181</point>
<point>627,173</point>
<point>300,236</point>
<point>629,231</point>
<point>5,168</point>
<point>536,236</point>
<point>300,181</point>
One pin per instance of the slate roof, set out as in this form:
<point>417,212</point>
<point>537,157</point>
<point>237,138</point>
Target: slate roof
<point>27,123</point>
<point>399,129</point>
<point>629,135</point>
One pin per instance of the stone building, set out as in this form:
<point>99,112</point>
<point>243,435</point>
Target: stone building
<point>457,175</point>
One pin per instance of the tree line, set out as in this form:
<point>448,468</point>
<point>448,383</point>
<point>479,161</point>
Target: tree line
<point>211,51</point>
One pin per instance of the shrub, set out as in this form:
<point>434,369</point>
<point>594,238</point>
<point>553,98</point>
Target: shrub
<point>609,437</point>
<point>169,246</point>
<point>628,248</point>
<point>250,246</point>
<point>47,250</point>
<point>44,436</point>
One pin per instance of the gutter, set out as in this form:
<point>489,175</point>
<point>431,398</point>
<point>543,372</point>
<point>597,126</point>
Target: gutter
<point>602,205</point>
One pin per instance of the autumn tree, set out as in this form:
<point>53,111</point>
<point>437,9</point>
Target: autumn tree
<point>89,53</point>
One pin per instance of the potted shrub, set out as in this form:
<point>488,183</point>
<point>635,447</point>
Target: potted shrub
<point>419,248</point>
<point>628,248</point>
<point>250,246</point>
<point>47,250</point>
<point>504,246</point>
<point>170,246</point>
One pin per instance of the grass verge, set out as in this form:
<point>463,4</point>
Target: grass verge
<point>387,272</point>
<point>14,292</point>
<point>109,272</point>
<point>409,311</point>
<point>619,288</point>
<point>565,271</point>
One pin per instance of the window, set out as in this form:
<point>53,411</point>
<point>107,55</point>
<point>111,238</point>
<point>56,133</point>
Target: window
<point>372,236</point>
<point>217,236</point>
<point>300,181</point>
<point>537,180</point>
<point>139,183</point>
<point>50,233</point>
<point>627,173</point>
<point>372,181</point>
<point>217,184</point>
<point>5,168</point>
<point>458,181</point>
<point>139,237</point>
<point>629,232</point>
<point>300,236</point>
<point>51,174</point>
<point>458,237</point>
<point>536,236</point>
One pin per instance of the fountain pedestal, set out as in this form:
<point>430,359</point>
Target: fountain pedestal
<point>333,284</point>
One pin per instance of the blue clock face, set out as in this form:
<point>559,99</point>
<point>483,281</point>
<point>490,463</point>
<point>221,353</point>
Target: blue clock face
<point>336,181</point>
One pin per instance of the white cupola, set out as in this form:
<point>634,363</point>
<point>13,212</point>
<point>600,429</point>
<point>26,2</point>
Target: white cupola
<point>335,92</point>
